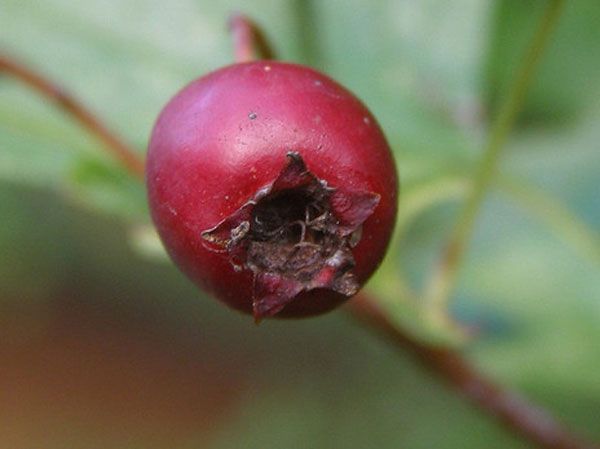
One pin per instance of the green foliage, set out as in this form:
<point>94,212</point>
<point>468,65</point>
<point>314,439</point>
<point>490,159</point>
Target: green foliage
<point>567,84</point>
<point>433,73</point>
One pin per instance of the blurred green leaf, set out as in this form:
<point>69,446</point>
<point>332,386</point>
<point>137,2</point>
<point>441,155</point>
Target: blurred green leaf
<point>145,241</point>
<point>567,82</point>
<point>107,187</point>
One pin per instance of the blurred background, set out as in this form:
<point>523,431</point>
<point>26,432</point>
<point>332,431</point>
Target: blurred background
<point>103,343</point>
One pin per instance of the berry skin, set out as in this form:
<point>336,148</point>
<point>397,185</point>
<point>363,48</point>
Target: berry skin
<point>272,187</point>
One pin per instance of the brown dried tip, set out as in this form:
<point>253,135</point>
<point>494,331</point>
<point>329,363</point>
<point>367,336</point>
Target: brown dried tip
<point>295,235</point>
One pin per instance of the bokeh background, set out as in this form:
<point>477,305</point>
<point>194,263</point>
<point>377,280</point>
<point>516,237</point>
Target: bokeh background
<point>104,344</point>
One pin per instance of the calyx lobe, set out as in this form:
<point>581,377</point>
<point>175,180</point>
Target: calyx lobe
<point>295,235</point>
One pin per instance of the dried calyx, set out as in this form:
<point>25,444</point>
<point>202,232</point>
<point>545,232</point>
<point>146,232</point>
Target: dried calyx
<point>295,235</point>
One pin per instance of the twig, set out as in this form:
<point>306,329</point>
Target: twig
<point>249,41</point>
<point>515,412</point>
<point>444,276</point>
<point>39,83</point>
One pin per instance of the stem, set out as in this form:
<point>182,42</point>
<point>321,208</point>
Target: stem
<point>520,416</point>
<point>249,41</point>
<point>46,88</point>
<point>444,276</point>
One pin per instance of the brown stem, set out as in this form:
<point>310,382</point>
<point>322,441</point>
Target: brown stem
<point>531,422</point>
<point>125,154</point>
<point>249,41</point>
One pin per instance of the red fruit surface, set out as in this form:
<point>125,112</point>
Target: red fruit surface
<point>266,127</point>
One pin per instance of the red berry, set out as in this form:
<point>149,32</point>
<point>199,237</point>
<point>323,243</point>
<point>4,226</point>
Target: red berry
<point>272,187</point>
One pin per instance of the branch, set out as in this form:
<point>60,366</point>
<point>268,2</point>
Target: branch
<point>522,417</point>
<point>46,88</point>
<point>446,271</point>
<point>249,41</point>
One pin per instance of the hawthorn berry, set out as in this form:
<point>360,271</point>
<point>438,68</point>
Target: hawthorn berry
<point>272,187</point>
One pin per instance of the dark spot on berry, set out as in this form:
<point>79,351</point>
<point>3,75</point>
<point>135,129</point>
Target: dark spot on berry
<point>295,236</point>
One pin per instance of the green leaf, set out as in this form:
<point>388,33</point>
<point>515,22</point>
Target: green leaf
<point>111,189</point>
<point>567,80</point>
